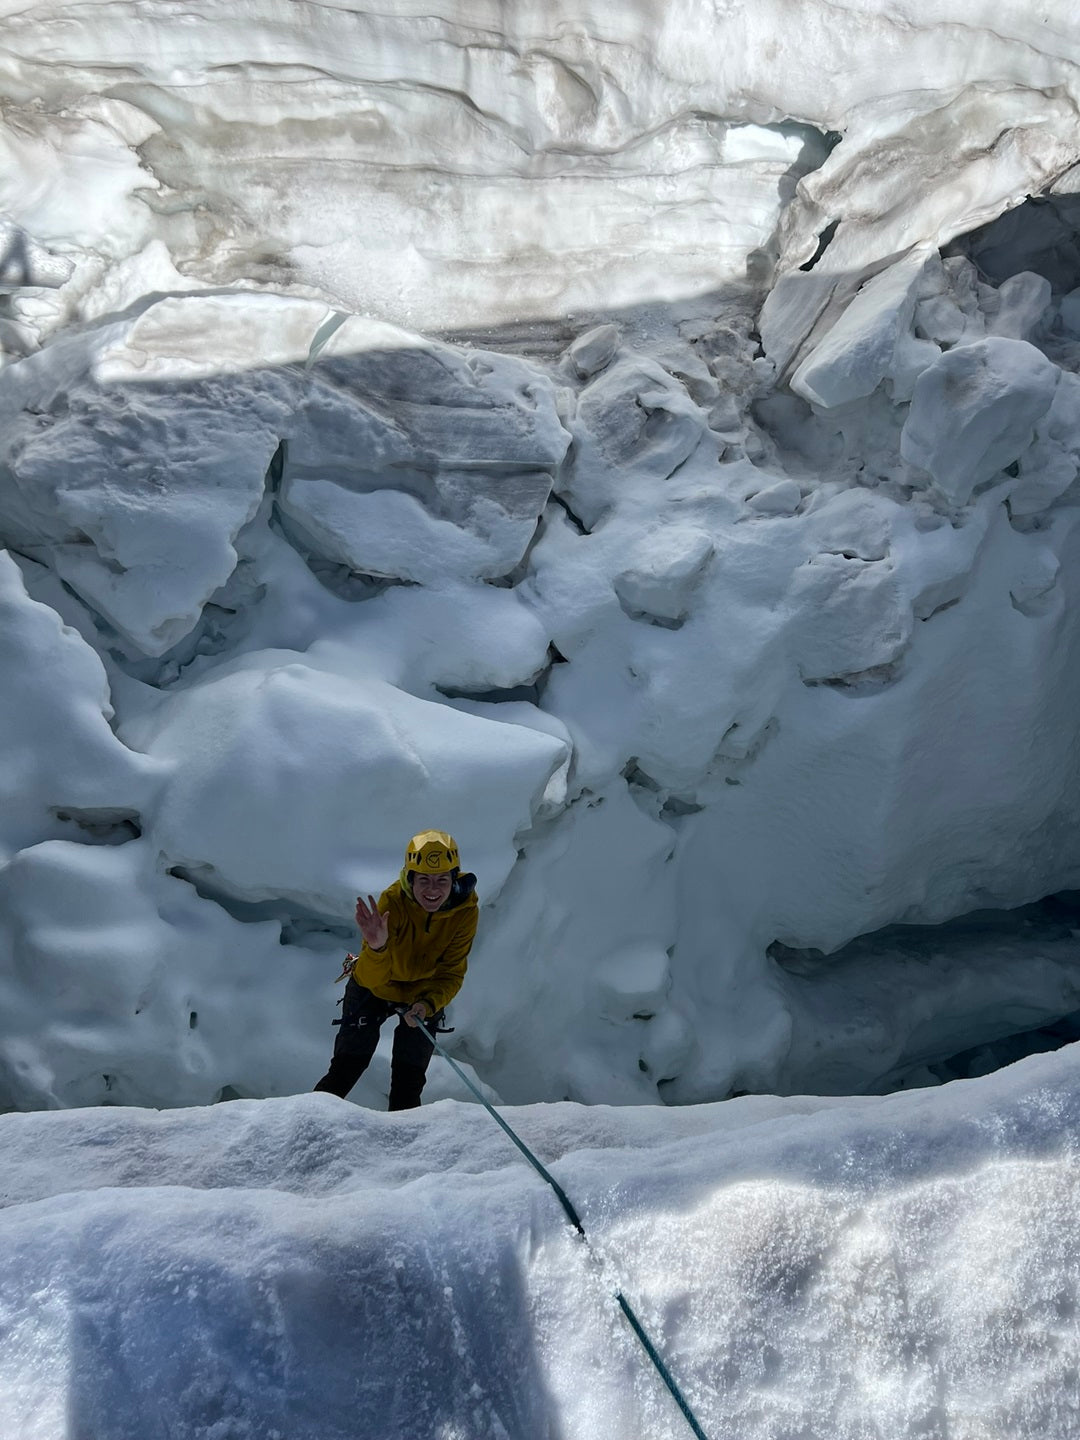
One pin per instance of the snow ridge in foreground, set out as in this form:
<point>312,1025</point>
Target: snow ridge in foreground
<point>901,1267</point>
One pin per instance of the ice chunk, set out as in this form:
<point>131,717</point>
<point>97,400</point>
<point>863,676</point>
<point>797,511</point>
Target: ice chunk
<point>663,571</point>
<point>59,755</point>
<point>975,411</point>
<point>593,350</point>
<point>783,498</point>
<point>634,424</point>
<point>390,533</point>
<point>850,616</point>
<point>139,497</point>
<point>792,308</point>
<point>1022,301</point>
<point>857,353</point>
<point>1030,590</point>
<point>1049,466</point>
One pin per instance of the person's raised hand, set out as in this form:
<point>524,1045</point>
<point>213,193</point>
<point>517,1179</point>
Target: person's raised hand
<point>374,927</point>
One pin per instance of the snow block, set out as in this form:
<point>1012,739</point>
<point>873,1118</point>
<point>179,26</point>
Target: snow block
<point>857,353</point>
<point>851,616</point>
<point>593,350</point>
<point>975,411</point>
<point>783,498</point>
<point>634,423</point>
<point>59,754</point>
<point>665,568</point>
<point>1022,301</point>
<point>290,782</point>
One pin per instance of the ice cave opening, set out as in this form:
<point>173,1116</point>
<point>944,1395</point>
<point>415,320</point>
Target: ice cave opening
<point>990,987</point>
<point>1041,235</point>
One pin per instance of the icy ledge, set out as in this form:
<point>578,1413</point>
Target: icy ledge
<point>903,1267</point>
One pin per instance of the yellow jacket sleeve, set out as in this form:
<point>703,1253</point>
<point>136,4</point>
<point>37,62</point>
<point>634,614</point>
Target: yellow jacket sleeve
<point>376,964</point>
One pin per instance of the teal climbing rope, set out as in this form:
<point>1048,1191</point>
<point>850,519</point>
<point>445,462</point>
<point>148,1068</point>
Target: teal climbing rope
<point>575,1220</point>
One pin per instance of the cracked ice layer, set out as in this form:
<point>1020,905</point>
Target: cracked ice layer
<point>474,166</point>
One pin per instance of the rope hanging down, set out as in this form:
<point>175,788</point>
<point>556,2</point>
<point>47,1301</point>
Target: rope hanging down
<point>575,1220</point>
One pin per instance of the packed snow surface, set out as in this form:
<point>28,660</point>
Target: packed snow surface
<point>905,1268</point>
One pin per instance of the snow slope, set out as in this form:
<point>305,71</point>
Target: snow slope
<point>902,1267</point>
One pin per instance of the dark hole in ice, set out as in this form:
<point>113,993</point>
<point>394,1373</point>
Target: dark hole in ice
<point>1042,234</point>
<point>102,826</point>
<point>302,927</point>
<point>529,693</point>
<point>824,240</point>
<point>634,775</point>
<point>674,807</point>
<point>1045,928</point>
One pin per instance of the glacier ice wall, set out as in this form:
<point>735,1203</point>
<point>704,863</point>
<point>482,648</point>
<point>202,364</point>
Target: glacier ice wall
<point>633,443</point>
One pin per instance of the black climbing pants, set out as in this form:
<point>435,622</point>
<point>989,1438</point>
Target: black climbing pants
<point>362,1014</point>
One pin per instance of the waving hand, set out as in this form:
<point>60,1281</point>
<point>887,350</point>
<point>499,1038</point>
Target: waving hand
<point>374,927</point>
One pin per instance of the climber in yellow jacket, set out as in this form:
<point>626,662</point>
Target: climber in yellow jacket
<point>417,938</point>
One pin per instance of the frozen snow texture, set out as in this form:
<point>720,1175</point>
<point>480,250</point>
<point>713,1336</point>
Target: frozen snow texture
<point>713,576</point>
<point>904,1267</point>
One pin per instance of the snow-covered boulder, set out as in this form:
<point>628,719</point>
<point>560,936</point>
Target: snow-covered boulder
<point>293,783</point>
<point>974,412</point>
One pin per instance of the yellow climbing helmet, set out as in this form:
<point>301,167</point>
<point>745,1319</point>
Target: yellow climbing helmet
<point>432,852</point>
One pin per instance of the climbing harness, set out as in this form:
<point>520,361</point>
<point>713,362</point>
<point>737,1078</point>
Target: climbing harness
<point>575,1220</point>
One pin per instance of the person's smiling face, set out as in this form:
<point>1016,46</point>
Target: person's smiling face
<point>431,891</point>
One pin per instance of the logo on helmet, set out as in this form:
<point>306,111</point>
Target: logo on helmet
<point>433,851</point>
